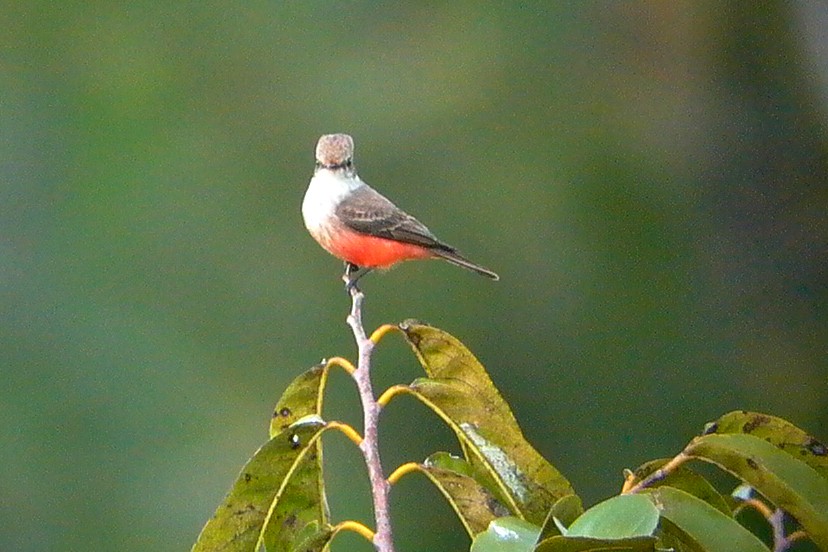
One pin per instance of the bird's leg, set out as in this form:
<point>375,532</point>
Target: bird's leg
<point>352,274</point>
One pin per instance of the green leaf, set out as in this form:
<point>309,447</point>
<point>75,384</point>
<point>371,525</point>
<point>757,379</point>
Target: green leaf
<point>675,540</point>
<point>473,503</point>
<point>300,507</point>
<point>586,544</point>
<point>277,474</point>
<point>781,433</point>
<point>303,397</point>
<point>489,447</point>
<point>448,461</point>
<point>700,523</point>
<point>563,512</point>
<point>312,538</point>
<point>625,522</point>
<point>688,481</point>
<point>620,517</point>
<point>460,391</point>
<point>507,534</point>
<point>303,508</point>
<point>789,483</point>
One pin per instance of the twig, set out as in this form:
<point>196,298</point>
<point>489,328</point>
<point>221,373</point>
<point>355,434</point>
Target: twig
<point>777,523</point>
<point>383,540</point>
<point>656,476</point>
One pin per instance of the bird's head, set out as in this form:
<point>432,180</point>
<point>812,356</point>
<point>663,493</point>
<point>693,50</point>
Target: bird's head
<point>335,151</point>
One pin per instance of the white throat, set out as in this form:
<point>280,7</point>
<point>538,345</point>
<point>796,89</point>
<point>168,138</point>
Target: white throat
<point>326,190</point>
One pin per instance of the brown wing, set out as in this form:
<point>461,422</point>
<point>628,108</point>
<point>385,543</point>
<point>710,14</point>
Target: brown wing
<point>368,212</point>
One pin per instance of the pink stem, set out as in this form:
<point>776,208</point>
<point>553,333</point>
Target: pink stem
<point>383,540</point>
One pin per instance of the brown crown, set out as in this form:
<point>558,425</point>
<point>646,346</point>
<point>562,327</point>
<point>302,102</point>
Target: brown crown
<point>334,150</point>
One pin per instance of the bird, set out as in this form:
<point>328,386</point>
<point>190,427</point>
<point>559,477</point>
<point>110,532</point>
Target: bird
<point>360,226</point>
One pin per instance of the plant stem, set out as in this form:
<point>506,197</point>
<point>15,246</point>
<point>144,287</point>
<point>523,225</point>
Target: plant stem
<point>383,540</point>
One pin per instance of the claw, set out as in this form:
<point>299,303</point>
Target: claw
<point>352,274</point>
<point>350,285</point>
<point>350,278</point>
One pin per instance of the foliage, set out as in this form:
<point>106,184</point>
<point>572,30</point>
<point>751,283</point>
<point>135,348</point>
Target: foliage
<point>508,497</point>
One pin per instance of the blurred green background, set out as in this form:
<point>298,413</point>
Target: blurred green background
<point>650,179</point>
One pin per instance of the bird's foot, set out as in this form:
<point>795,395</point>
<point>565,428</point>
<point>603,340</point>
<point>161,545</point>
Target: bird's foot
<point>350,284</point>
<point>352,275</point>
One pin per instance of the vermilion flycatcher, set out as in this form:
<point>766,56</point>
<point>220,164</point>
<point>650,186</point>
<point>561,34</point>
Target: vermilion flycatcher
<point>357,224</point>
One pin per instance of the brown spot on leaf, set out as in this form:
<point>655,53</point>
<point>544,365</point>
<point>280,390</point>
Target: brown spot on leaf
<point>495,506</point>
<point>247,478</point>
<point>752,464</point>
<point>295,441</point>
<point>246,510</point>
<point>755,422</point>
<point>407,325</point>
<point>816,447</point>
<point>285,412</point>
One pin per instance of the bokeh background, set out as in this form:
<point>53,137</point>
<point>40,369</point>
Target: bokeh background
<point>650,179</point>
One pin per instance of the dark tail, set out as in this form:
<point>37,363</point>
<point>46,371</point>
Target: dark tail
<point>456,259</point>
